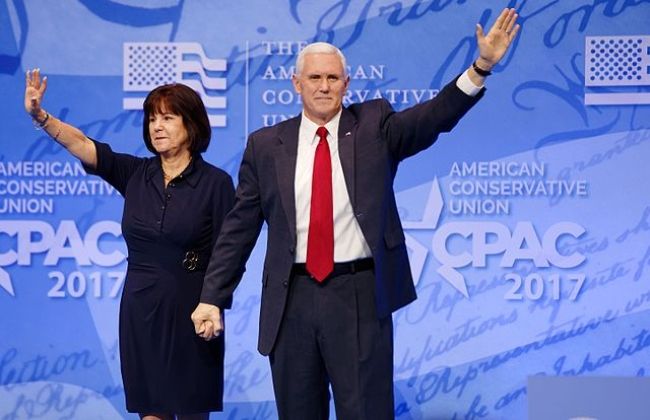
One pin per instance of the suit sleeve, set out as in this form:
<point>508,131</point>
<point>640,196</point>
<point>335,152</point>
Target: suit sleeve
<point>239,233</point>
<point>415,129</point>
<point>224,200</point>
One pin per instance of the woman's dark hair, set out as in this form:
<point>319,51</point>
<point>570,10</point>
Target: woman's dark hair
<point>180,100</point>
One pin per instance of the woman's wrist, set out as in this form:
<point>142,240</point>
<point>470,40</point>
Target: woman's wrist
<point>40,118</point>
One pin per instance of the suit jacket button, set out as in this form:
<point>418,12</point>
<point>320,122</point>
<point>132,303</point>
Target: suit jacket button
<point>292,250</point>
<point>285,283</point>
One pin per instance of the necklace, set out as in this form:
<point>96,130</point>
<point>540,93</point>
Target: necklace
<point>169,177</point>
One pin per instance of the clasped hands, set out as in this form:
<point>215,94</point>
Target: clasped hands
<point>208,323</point>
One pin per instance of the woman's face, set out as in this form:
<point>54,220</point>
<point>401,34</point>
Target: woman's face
<point>168,133</point>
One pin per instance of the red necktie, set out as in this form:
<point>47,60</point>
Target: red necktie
<point>320,239</point>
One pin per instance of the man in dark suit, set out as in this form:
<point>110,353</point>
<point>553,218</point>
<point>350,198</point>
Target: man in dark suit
<point>336,263</point>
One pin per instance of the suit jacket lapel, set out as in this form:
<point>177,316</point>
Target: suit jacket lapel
<point>286,169</point>
<point>347,132</point>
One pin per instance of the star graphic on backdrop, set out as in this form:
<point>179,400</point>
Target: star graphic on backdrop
<point>430,218</point>
<point>5,282</point>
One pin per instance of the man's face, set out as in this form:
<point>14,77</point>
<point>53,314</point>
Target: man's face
<point>321,85</point>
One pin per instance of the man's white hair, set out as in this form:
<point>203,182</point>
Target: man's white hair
<point>320,48</point>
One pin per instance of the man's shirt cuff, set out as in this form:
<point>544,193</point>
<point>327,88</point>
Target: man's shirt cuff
<point>465,84</point>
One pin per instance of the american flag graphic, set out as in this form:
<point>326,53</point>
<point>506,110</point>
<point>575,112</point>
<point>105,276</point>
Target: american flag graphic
<point>617,68</point>
<point>151,64</point>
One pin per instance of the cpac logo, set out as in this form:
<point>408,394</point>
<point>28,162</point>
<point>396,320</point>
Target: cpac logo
<point>151,64</point>
<point>460,244</point>
<point>35,237</point>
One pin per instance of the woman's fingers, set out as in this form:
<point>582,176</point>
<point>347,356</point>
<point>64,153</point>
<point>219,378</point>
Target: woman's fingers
<point>43,85</point>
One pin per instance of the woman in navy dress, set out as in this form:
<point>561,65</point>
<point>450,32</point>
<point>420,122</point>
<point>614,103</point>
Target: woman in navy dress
<point>174,205</point>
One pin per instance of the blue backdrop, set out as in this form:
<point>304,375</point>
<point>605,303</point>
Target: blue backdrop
<point>528,226</point>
